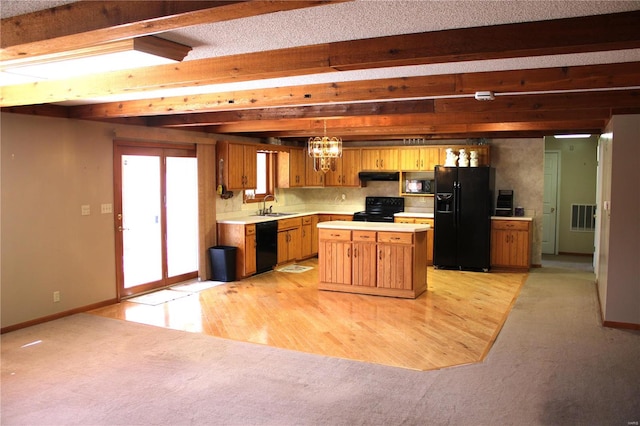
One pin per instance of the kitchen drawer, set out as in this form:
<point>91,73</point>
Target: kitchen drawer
<point>335,234</point>
<point>306,220</point>
<point>249,230</point>
<point>395,237</point>
<point>364,236</point>
<point>294,222</point>
<point>510,225</point>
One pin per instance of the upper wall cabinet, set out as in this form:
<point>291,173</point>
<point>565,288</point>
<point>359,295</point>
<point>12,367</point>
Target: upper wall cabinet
<point>347,168</point>
<point>312,177</point>
<point>422,158</point>
<point>379,159</point>
<point>291,168</point>
<point>239,165</point>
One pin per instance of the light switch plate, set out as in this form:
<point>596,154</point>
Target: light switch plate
<point>85,210</point>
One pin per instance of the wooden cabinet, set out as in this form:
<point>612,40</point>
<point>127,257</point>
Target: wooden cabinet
<point>347,169</point>
<point>364,258</point>
<point>291,168</point>
<point>373,262</point>
<point>334,256</point>
<point>511,244</point>
<point>419,159</point>
<point>289,242</point>
<point>426,221</point>
<point>239,165</point>
<point>314,234</point>
<point>379,158</point>
<point>312,177</point>
<point>243,237</point>
<point>306,238</point>
<point>395,260</point>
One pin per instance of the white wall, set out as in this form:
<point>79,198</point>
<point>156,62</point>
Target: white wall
<point>50,167</point>
<point>619,252</point>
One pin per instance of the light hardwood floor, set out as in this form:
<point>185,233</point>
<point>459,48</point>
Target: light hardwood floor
<point>455,322</point>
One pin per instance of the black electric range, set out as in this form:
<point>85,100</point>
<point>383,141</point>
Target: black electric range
<point>380,209</point>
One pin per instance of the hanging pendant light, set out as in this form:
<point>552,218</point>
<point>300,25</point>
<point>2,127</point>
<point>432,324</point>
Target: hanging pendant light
<point>324,150</point>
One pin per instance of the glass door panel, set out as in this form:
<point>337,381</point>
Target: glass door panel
<point>182,215</point>
<point>141,219</point>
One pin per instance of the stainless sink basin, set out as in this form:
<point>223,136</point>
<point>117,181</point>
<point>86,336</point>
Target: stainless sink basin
<point>279,214</point>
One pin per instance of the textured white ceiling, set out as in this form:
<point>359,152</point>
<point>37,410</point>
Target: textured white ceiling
<point>364,19</point>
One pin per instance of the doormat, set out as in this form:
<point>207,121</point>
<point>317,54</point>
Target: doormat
<point>196,286</point>
<point>159,297</point>
<point>296,269</point>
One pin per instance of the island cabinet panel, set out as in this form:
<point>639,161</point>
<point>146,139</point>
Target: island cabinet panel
<point>383,263</point>
<point>426,221</point>
<point>364,258</point>
<point>334,256</point>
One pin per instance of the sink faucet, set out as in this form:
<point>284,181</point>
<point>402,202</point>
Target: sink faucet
<point>264,203</point>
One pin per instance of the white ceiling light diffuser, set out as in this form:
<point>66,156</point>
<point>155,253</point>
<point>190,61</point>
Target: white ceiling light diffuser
<point>114,56</point>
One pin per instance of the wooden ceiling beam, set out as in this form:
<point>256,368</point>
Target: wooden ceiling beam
<point>315,111</point>
<point>462,130</point>
<point>551,37</point>
<point>548,79</point>
<point>85,23</point>
<point>529,105</point>
<point>569,36</point>
<point>338,125</point>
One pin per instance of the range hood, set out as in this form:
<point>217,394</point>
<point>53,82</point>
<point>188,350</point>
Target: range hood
<point>388,176</point>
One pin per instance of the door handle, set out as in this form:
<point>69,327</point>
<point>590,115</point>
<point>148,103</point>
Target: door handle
<point>553,209</point>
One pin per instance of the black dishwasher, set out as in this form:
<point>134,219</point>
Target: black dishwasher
<point>266,245</point>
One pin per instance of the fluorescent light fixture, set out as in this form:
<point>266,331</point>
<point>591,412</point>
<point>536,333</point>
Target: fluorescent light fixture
<point>575,136</point>
<point>118,55</point>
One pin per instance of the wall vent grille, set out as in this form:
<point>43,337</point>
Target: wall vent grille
<point>583,217</point>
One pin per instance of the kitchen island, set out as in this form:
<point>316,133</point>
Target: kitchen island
<point>384,259</point>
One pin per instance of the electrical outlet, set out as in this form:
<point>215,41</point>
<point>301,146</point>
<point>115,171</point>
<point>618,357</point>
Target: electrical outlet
<point>56,296</point>
<point>106,208</point>
<point>85,210</point>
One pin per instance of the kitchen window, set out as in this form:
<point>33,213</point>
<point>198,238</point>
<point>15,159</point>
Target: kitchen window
<point>265,178</point>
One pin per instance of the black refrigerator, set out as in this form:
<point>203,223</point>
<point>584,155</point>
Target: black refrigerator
<point>462,225</point>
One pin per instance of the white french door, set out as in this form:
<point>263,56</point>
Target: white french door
<point>156,208</point>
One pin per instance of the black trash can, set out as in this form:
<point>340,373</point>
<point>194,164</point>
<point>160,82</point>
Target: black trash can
<point>223,263</point>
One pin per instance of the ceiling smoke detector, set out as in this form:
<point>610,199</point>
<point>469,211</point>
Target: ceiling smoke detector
<point>485,96</point>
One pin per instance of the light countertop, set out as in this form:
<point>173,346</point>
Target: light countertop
<point>374,226</point>
<point>525,218</point>
<point>249,219</point>
<point>415,214</point>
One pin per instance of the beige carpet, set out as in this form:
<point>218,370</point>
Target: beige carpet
<point>552,364</point>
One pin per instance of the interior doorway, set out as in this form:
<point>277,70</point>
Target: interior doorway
<point>156,212</point>
<point>550,202</point>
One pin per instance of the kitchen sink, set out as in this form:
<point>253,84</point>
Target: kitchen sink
<point>279,214</point>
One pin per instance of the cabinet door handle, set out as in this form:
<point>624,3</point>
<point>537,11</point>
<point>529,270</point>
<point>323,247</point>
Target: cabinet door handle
<point>417,163</point>
<point>421,163</point>
<point>349,252</point>
<point>380,255</point>
<point>377,161</point>
<point>355,252</point>
<point>506,238</point>
<point>382,163</point>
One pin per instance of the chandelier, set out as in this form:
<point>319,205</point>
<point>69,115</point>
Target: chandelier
<point>324,150</point>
